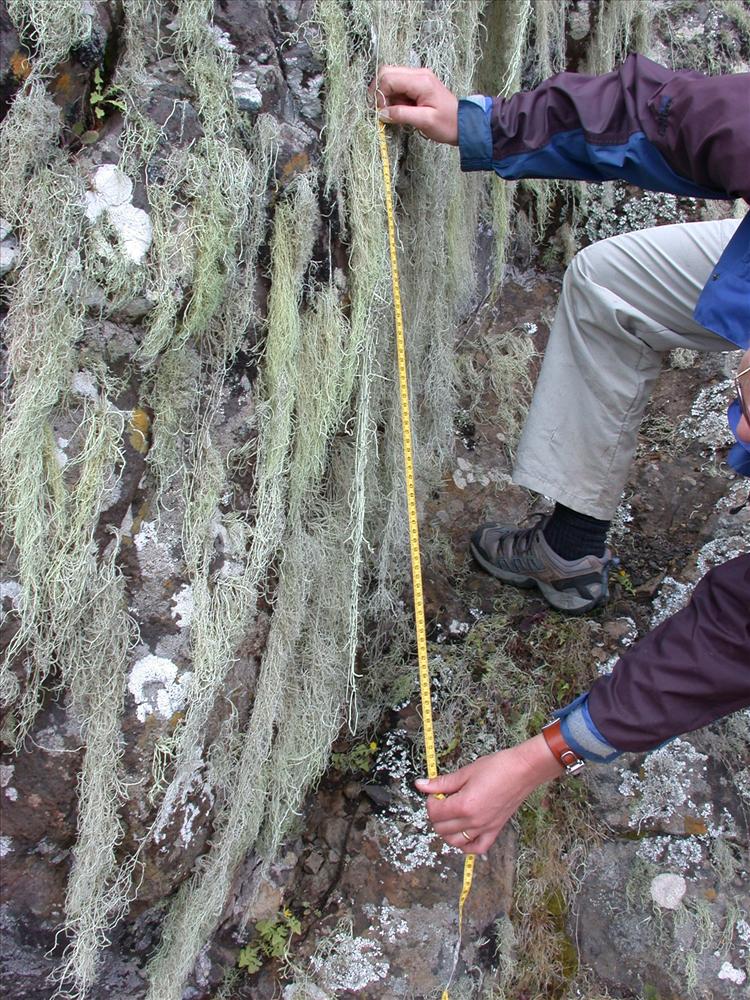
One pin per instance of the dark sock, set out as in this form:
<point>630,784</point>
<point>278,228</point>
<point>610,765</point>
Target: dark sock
<point>572,535</point>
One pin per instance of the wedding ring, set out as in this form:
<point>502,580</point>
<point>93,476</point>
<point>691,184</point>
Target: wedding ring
<point>465,835</point>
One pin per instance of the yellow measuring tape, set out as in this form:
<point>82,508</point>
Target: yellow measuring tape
<point>411,503</point>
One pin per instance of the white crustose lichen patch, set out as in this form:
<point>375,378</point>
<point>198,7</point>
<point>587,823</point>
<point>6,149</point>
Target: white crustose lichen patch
<point>183,606</point>
<point>707,421</point>
<point>193,800</point>
<point>472,472</point>
<point>408,840</point>
<point>389,920</point>
<point>112,197</point>
<point>349,963</point>
<point>674,595</point>
<point>84,384</point>
<point>664,787</point>
<point>6,776</point>
<point>156,688</point>
<point>154,553</point>
<point>668,890</point>
<point>680,853</point>
<point>10,590</point>
<point>728,971</point>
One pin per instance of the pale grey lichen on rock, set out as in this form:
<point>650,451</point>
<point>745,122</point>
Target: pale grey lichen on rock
<point>347,962</point>
<point>668,775</point>
<point>668,890</point>
<point>156,687</point>
<point>112,194</point>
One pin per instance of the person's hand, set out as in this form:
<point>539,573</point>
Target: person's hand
<point>481,798</point>
<point>408,96</point>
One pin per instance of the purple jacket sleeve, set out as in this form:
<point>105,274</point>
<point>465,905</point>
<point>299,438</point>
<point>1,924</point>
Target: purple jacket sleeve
<point>692,669</point>
<point>658,128</point>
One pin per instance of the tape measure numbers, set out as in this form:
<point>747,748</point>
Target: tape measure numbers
<point>411,503</point>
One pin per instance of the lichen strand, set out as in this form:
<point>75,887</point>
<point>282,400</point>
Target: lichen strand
<point>99,888</point>
<point>621,27</point>
<point>72,615</point>
<point>51,29</point>
<point>200,901</point>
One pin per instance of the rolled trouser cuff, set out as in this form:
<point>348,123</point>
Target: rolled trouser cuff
<point>582,735</point>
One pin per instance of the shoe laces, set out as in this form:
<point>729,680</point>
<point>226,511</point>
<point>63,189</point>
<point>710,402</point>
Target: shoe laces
<point>522,541</point>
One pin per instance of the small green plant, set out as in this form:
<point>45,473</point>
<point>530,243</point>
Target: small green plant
<point>101,102</point>
<point>101,99</point>
<point>623,578</point>
<point>272,941</point>
<point>359,758</point>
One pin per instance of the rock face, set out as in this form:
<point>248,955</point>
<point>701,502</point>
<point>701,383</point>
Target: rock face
<point>142,454</point>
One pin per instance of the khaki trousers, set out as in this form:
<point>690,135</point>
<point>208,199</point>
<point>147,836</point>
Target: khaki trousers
<point>624,302</point>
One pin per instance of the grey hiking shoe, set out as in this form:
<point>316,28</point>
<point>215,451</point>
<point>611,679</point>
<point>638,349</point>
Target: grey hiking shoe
<point>521,556</point>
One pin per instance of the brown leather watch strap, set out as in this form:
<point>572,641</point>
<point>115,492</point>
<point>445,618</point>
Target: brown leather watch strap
<point>559,748</point>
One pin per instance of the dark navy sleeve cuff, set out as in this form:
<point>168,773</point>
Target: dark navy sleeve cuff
<point>581,734</point>
<point>475,133</point>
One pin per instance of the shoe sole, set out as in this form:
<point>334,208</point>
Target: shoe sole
<point>568,601</point>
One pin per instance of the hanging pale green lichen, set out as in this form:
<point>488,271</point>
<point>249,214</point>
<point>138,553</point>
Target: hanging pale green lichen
<point>28,139</point>
<point>547,53</point>
<point>438,233</point>
<point>506,25</point>
<point>622,26</point>
<point>49,514</point>
<point>216,242</point>
<point>350,155</point>
<point>72,613</point>
<point>99,888</point>
<point>51,27</point>
<point>200,901</point>
<point>292,686</point>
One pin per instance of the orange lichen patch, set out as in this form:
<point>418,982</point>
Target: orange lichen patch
<point>20,65</point>
<point>139,426</point>
<point>65,85</point>
<point>139,518</point>
<point>710,894</point>
<point>298,164</point>
<point>694,826</point>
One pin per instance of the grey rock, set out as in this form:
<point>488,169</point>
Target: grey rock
<point>9,255</point>
<point>632,943</point>
<point>9,44</point>
<point>305,80</point>
<point>314,862</point>
<point>170,107</point>
<point>579,21</point>
<point>298,150</point>
<point>23,966</point>
<point>246,93</point>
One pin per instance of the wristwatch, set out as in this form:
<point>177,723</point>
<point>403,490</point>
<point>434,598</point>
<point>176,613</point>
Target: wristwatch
<point>559,748</point>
